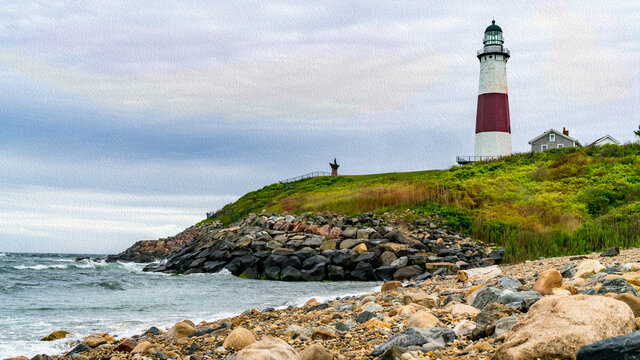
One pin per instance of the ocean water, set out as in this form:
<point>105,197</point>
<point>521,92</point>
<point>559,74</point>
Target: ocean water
<point>41,293</point>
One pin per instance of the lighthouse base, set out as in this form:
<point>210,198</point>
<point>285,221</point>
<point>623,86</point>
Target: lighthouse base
<point>493,144</point>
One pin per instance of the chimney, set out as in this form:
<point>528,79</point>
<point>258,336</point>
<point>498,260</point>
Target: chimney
<point>565,131</point>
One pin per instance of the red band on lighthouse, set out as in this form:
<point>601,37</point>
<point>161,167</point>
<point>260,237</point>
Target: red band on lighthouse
<point>493,113</point>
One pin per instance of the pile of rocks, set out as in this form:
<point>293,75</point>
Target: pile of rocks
<point>145,251</point>
<point>314,247</point>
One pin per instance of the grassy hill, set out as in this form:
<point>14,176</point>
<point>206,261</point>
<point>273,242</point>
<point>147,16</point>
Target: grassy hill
<point>559,202</point>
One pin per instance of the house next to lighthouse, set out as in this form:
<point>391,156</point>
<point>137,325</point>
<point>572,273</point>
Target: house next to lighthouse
<point>493,128</point>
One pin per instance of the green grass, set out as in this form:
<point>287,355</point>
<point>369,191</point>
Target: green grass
<point>559,202</point>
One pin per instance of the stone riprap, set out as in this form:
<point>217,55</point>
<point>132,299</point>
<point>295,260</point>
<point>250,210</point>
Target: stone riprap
<point>316,247</point>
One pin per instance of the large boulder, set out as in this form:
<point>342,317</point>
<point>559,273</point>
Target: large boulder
<point>588,268</point>
<point>56,335</point>
<point>316,273</point>
<point>290,273</point>
<point>547,281</point>
<point>617,286</point>
<point>625,347</point>
<point>423,319</point>
<point>180,330</point>
<point>486,320</point>
<point>485,296</point>
<point>127,345</point>
<point>484,273</point>
<point>423,299</point>
<point>439,336</point>
<point>632,301</point>
<point>364,271</point>
<point>239,338</point>
<point>316,352</point>
<point>268,348</point>
<point>557,326</point>
<point>408,272</point>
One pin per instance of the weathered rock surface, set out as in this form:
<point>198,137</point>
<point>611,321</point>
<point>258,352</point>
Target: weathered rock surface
<point>180,330</point>
<point>625,347</point>
<point>239,338</point>
<point>417,337</point>
<point>56,335</point>
<point>557,326</point>
<point>268,348</point>
<point>547,281</point>
<point>316,352</point>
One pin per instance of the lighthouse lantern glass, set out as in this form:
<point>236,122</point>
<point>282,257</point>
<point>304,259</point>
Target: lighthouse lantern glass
<point>493,38</point>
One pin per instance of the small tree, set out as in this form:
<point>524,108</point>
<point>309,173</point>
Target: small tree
<point>637,132</point>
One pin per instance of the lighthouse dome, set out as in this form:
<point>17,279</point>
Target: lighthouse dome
<point>493,27</point>
<point>493,35</point>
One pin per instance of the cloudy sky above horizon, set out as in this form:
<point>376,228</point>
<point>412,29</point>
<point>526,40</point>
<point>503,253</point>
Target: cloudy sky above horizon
<point>122,121</point>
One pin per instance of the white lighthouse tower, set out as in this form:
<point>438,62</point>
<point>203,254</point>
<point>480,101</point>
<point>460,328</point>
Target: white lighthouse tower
<point>493,128</point>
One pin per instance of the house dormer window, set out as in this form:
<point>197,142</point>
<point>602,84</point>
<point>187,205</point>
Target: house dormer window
<point>552,137</point>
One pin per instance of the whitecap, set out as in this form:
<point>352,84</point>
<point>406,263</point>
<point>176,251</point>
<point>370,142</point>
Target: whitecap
<point>3,254</point>
<point>39,267</point>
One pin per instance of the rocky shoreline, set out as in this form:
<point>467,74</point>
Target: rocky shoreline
<point>317,247</point>
<point>581,307</point>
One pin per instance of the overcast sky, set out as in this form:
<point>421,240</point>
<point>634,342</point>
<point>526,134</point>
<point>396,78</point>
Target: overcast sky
<point>128,120</point>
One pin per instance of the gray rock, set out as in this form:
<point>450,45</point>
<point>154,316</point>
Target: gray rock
<point>80,348</point>
<point>290,274</point>
<point>417,337</point>
<point>400,262</point>
<point>313,241</point>
<point>364,272</point>
<point>313,261</point>
<point>505,325</point>
<point>344,307</point>
<point>373,308</point>
<point>568,271</point>
<point>408,272</point>
<point>510,297</point>
<point>350,232</point>
<point>364,316</point>
<point>364,233</point>
<point>316,273</point>
<point>335,272</point>
<point>485,296</point>
<point>272,272</point>
<point>344,326</point>
<point>626,347</point>
<point>617,286</point>
<point>509,282</point>
<point>613,251</point>
<point>385,272</point>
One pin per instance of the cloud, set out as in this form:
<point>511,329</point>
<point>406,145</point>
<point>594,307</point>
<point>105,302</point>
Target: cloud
<point>319,87</point>
<point>580,64</point>
<point>94,221</point>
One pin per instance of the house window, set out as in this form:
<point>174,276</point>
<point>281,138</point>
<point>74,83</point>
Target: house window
<point>560,146</point>
<point>552,137</point>
<point>544,147</point>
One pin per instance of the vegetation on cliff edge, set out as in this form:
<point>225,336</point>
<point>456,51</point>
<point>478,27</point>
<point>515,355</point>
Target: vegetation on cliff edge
<point>559,202</point>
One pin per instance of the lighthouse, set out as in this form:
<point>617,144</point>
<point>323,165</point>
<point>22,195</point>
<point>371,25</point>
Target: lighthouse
<point>493,128</point>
